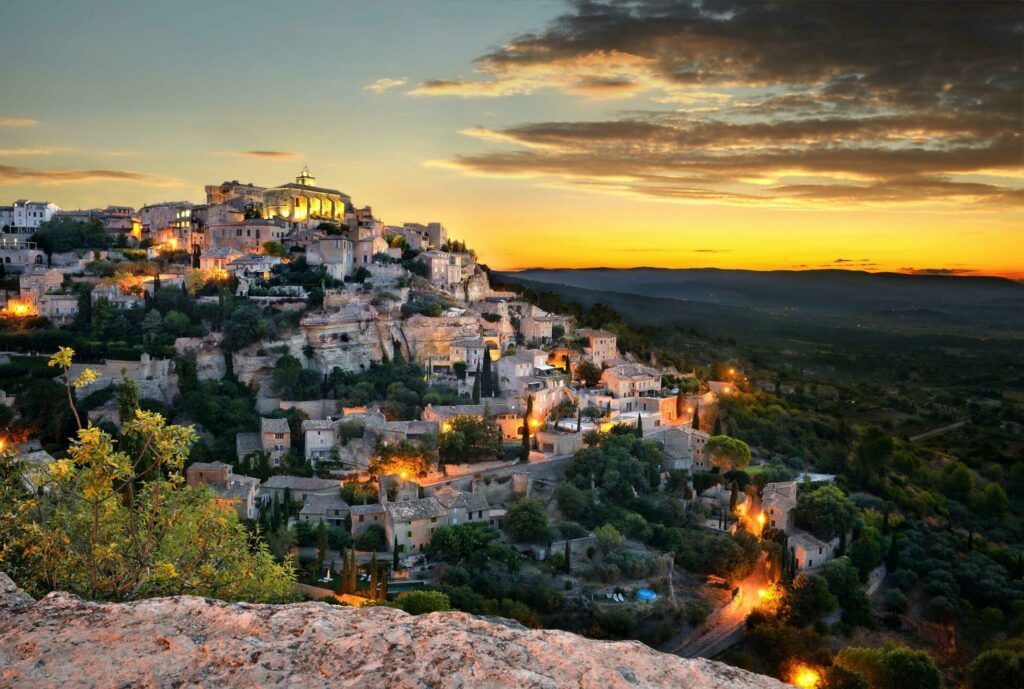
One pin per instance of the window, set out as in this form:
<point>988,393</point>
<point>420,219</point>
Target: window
<point>409,534</point>
<point>361,519</point>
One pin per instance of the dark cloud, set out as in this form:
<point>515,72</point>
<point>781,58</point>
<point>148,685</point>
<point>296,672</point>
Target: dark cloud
<point>836,102</point>
<point>269,154</point>
<point>937,271</point>
<point>10,173</point>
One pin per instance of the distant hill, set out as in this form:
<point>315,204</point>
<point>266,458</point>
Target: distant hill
<point>841,298</point>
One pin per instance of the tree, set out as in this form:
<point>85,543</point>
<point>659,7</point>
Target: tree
<point>996,669</point>
<point>373,538</point>
<point>526,521</point>
<point>421,602</point>
<point>866,551</point>
<point>396,563</point>
<point>487,384</point>
<point>275,248</point>
<point>525,454</point>
<point>106,533</point>
<point>127,399</point>
<point>695,421</point>
<point>476,386</point>
<point>608,538</point>
<point>826,512</point>
<point>874,449</point>
<point>728,454</point>
<point>321,542</point>
<point>811,598</point>
<point>639,427</point>
<point>589,373</point>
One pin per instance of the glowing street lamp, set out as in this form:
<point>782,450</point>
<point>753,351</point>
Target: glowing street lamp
<point>806,676</point>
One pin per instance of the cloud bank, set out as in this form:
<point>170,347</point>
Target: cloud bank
<point>821,104</point>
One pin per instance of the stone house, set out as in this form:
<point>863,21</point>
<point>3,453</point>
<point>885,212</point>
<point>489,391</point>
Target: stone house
<point>683,448</point>
<point>329,508</point>
<point>231,490</point>
<point>778,503</point>
<point>300,487</point>
<point>363,516</point>
<point>598,345</point>
<point>321,437</point>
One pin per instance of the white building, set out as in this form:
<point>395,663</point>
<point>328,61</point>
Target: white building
<point>25,217</point>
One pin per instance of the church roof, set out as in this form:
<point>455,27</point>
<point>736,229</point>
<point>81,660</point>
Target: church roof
<point>306,187</point>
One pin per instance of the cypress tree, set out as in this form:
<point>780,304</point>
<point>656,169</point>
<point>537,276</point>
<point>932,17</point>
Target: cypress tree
<point>680,403</point>
<point>476,386</point>
<point>639,427</point>
<point>373,576</point>
<point>568,367</point>
<point>524,456</point>
<point>568,557</point>
<point>734,496</point>
<point>321,542</point>
<point>395,564</point>
<point>487,384</point>
<point>695,423</point>
<point>718,426</point>
<point>892,559</point>
<point>579,420</point>
<point>885,522</point>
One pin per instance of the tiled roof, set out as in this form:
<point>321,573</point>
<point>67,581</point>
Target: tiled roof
<point>371,508</point>
<point>300,483</point>
<point>248,442</point>
<point>416,510</point>
<point>320,504</point>
<point>207,466</point>
<point>273,425</point>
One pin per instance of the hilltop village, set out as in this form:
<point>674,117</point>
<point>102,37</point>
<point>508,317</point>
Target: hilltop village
<point>393,428</point>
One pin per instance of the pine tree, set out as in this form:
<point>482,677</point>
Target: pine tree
<point>524,456</point>
<point>695,423</point>
<point>476,386</point>
<point>487,384</point>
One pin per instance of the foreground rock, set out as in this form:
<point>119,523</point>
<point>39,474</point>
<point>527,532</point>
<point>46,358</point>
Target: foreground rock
<point>62,641</point>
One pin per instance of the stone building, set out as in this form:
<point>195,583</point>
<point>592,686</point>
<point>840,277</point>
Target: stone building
<point>303,202</point>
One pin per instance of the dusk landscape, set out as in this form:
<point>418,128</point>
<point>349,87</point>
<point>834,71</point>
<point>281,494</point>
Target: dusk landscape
<point>458,344</point>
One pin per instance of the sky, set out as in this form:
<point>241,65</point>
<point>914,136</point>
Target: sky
<point>876,136</point>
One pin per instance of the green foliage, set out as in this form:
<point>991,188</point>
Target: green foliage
<point>811,598</point>
<point>996,669</point>
<point>608,538</point>
<point>526,521</point>
<point>826,511</point>
<point>421,602</point>
<point>469,439</point>
<point>728,454</point>
<point>275,248</point>
<point>62,234</point>
<point>373,538</point>
<point>891,667</point>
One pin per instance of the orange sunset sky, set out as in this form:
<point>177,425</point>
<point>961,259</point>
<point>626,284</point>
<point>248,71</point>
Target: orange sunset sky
<point>883,136</point>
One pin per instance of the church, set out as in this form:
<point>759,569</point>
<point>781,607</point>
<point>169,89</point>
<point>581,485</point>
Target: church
<point>303,201</point>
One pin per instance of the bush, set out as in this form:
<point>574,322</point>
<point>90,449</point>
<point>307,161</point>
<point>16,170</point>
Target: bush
<point>421,602</point>
<point>527,521</point>
<point>374,538</point>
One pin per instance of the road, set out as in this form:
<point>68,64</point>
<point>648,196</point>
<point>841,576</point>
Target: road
<point>937,431</point>
<point>725,626</point>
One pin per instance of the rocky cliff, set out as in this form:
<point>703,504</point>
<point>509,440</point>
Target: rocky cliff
<point>62,641</point>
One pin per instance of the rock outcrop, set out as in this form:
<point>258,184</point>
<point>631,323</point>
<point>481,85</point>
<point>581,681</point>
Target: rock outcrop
<point>62,641</point>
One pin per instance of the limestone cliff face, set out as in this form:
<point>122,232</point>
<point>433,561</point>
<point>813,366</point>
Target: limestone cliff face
<point>62,641</point>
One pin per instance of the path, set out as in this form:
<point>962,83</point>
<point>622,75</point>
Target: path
<point>937,431</point>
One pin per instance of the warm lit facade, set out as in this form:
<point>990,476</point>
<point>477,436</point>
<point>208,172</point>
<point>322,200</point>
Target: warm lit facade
<point>301,201</point>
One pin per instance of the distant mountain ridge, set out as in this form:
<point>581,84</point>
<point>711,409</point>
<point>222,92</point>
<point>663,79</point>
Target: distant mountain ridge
<point>829,288</point>
<point>842,298</point>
